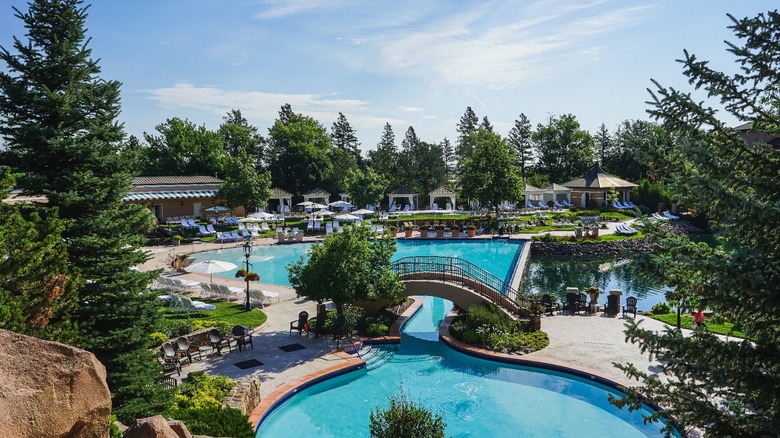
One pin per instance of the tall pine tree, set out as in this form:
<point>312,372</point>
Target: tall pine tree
<point>343,135</point>
<point>59,123</point>
<point>467,124</point>
<point>521,142</point>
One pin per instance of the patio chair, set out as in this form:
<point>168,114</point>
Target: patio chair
<point>169,354</point>
<point>572,297</point>
<point>218,342</point>
<point>549,306</point>
<point>611,308</point>
<point>301,324</point>
<point>189,306</point>
<point>630,306</point>
<point>242,336</point>
<point>169,366</point>
<point>186,349</point>
<point>582,303</point>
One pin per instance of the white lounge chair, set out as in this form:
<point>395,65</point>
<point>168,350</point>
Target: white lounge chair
<point>188,305</point>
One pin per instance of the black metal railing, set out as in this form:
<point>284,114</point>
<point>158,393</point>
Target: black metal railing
<point>463,273</point>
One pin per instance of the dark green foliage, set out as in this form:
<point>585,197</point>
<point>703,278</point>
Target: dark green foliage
<point>661,309</point>
<point>182,148</point>
<point>564,150</point>
<point>421,165</point>
<point>365,187</point>
<point>241,138</point>
<point>521,142</point>
<point>490,174</point>
<point>650,194</point>
<point>487,326</point>
<point>468,124</point>
<point>384,160</point>
<point>405,418</point>
<point>377,329</point>
<point>243,184</point>
<point>727,388</point>
<point>344,138</point>
<point>59,125</point>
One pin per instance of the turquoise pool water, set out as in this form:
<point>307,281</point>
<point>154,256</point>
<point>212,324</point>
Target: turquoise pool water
<point>477,398</point>
<point>270,261</point>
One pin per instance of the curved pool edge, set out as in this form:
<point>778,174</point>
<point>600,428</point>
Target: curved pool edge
<point>351,363</point>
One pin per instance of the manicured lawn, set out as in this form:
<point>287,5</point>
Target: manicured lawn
<point>231,313</point>
<point>686,321</point>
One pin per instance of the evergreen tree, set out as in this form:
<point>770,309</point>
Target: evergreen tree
<point>384,160</point>
<point>521,142</point>
<point>59,122</point>
<point>448,153</point>
<point>421,164</point>
<point>486,124</point>
<point>468,123</point>
<point>344,137</point>
<point>726,387</point>
<point>603,142</point>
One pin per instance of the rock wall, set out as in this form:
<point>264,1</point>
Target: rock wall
<point>244,396</point>
<point>48,389</point>
<point>590,248</point>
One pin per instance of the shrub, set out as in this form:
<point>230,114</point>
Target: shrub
<point>487,314</point>
<point>458,327</point>
<point>404,418</point>
<point>547,237</point>
<point>455,228</point>
<point>377,329</point>
<point>471,227</point>
<point>217,421</point>
<point>156,339</point>
<point>470,337</point>
<point>408,228</point>
<point>173,328</point>
<point>222,326</point>
<point>352,316</point>
<point>661,309</point>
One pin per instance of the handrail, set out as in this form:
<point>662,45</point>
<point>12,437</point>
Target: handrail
<point>464,273</point>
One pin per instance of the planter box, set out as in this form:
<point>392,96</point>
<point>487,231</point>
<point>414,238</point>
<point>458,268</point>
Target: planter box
<point>472,233</point>
<point>408,233</point>
<point>439,233</point>
<point>455,233</point>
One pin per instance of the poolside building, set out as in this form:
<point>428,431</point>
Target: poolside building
<point>595,186</point>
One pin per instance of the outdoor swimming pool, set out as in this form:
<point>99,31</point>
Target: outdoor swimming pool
<point>270,261</point>
<point>477,398</point>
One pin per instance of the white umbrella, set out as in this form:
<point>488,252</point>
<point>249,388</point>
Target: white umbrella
<point>315,205</point>
<point>363,211</point>
<point>262,215</point>
<point>346,217</point>
<point>217,208</point>
<point>305,203</point>
<point>210,267</point>
<point>323,213</point>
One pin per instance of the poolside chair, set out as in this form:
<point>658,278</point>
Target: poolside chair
<point>670,215</point>
<point>169,366</point>
<point>549,306</point>
<point>611,308</point>
<point>188,305</point>
<point>572,300</point>
<point>393,208</point>
<point>218,342</point>
<point>242,336</point>
<point>186,349</point>
<point>630,306</point>
<point>169,354</point>
<point>582,303</point>
<point>301,324</point>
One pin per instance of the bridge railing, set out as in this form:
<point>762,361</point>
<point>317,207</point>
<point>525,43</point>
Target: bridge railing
<point>455,270</point>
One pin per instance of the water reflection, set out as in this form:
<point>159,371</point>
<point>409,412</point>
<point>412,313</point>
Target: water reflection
<point>553,274</point>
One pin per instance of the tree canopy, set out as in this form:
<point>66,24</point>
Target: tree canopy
<point>564,151</point>
<point>725,387</point>
<point>490,175</point>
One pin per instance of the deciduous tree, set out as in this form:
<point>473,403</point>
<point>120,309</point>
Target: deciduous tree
<point>564,150</point>
<point>182,148</point>
<point>365,187</point>
<point>490,175</point>
<point>244,185</point>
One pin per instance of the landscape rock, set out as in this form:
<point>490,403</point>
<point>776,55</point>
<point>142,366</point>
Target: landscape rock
<point>151,427</point>
<point>614,247</point>
<point>244,396</point>
<point>48,389</point>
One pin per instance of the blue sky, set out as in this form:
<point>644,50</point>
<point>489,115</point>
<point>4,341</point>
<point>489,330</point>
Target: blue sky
<point>418,63</point>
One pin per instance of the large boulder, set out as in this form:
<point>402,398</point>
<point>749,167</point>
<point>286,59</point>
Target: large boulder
<point>152,427</point>
<point>48,389</point>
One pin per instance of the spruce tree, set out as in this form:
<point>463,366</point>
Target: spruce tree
<point>467,124</point>
<point>727,387</point>
<point>384,160</point>
<point>344,137</point>
<point>520,139</point>
<point>59,123</point>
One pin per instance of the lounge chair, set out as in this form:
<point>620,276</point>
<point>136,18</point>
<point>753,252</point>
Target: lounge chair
<point>582,303</point>
<point>218,342</point>
<point>611,308</point>
<point>169,354</point>
<point>188,305</point>
<point>572,297</point>
<point>630,306</point>
<point>169,366</point>
<point>393,208</point>
<point>242,336</point>
<point>670,215</point>
<point>549,306</point>
<point>301,324</point>
<point>567,203</point>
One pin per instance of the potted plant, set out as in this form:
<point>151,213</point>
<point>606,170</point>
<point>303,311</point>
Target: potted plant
<point>594,293</point>
<point>177,240</point>
<point>394,231</point>
<point>439,230</point>
<point>471,230</point>
<point>241,273</point>
<point>455,231</point>
<point>252,276</point>
<point>408,230</point>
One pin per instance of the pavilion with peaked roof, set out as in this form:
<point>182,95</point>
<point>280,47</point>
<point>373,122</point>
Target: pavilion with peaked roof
<point>532,193</point>
<point>556,192</point>
<point>442,192</point>
<point>595,185</point>
<point>317,195</point>
<point>403,193</point>
<point>282,198</point>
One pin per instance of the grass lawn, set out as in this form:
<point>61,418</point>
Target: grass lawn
<point>686,321</point>
<point>231,313</point>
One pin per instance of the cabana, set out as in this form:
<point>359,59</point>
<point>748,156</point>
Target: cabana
<point>442,192</point>
<point>404,194</point>
<point>556,192</point>
<point>317,195</point>
<point>283,197</point>
<point>595,185</point>
<point>532,193</point>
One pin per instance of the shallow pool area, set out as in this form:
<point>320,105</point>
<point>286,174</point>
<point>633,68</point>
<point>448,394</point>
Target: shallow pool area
<point>477,398</point>
<point>270,261</point>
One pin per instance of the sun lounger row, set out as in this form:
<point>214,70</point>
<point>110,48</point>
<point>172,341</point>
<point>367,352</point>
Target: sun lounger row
<point>624,206</point>
<point>174,284</point>
<point>221,292</point>
<point>665,216</point>
<point>625,229</point>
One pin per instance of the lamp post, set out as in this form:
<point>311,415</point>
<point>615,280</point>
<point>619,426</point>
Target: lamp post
<point>247,253</point>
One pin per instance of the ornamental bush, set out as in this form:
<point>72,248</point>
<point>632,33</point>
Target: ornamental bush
<point>404,418</point>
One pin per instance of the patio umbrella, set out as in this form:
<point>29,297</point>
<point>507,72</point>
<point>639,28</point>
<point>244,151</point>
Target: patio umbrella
<point>340,204</point>
<point>318,206</point>
<point>210,267</point>
<point>323,213</point>
<point>363,211</point>
<point>262,215</point>
<point>217,208</point>
<point>346,217</point>
<point>305,203</point>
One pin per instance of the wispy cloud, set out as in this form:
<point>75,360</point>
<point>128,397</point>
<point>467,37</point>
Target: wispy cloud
<point>284,8</point>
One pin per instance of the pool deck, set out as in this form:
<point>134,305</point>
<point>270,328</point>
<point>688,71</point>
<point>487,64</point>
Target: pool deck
<point>586,343</point>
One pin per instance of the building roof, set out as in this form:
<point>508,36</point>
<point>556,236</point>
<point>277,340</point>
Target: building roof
<point>556,188</point>
<point>316,192</point>
<point>528,188</point>
<point>174,180</point>
<point>402,191</point>
<point>441,191</point>
<point>598,179</point>
<point>169,194</point>
<point>276,191</point>
<point>17,197</point>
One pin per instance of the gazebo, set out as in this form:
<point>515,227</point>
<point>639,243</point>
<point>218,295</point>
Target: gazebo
<point>283,197</point>
<point>405,194</point>
<point>532,193</point>
<point>442,192</point>
<point>556,192</point>
<point>595,185</point>
<point>317,195</point>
